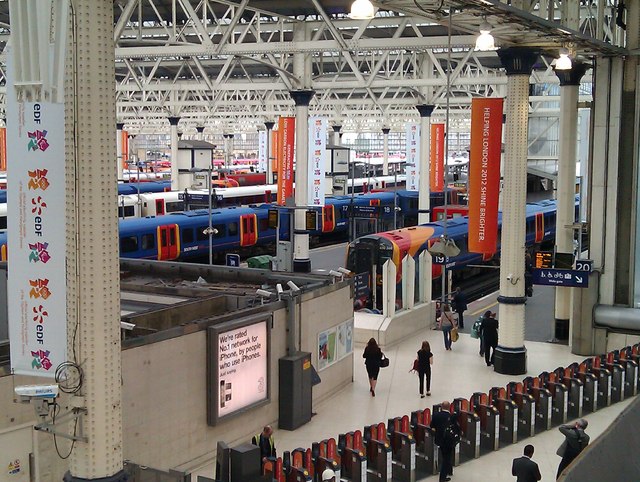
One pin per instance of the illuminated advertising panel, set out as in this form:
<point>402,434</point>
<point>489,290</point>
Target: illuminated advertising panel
<point>238,367</point>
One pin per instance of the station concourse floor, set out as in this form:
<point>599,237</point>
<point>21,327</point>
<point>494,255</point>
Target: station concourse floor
<point>457,373</point>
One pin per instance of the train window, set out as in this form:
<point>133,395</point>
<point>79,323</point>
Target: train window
<point>263,224</point>
<point>221,231</point>
<point>187,236</point>
<point>233,229</point>
<point>128,244</point>
<point>174,207</point>
<point>200,233</point>
<point>126,211</point>
<point>148,241</point>
<point>172,237</point>
<point>3,222</point>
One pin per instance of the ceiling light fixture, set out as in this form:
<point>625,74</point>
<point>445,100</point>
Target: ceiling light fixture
<point>564,62</point>
<point>485,41</point>
<point>362,10</point>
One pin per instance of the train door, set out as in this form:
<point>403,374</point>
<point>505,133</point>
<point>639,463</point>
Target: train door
<point>248,230</point>
<point>168,242</point>
<point>539,227</point>
<point>328,219</point>
<point>159,207</point>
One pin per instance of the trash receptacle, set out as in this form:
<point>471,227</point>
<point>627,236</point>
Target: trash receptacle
<point>260,262</point>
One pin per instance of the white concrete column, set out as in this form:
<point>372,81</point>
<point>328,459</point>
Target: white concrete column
<point>511,354</point>
<point>424,202</point>
<point>337,137</point>
<point>173,121</point>
<point>92,273</point>
<point>119,160</point>
<point>301,261</point>
<point>269,125</point>
<point>385,151</point>
<point>565,184</point>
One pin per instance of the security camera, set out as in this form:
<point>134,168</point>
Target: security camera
<point>279,289</point>
<point>292,286</point>
<point>127,326</point>
<point>263,293</point>
<point>36,392</point>
<point>335,273</point>
<point>509,276</point>
<point>344,271</point>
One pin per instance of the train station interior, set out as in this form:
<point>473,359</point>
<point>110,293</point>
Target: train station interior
<point>214,212</point>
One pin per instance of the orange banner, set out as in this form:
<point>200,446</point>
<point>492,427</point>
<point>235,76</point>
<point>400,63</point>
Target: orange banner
<point>275,151</point>
<point>125,148</point>
<point>287,135</point>
<point>437,158</point>
<point>3,148</point>
<point>484,174</point>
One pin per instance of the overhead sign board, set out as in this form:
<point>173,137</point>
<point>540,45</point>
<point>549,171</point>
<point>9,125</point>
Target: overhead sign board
<point>561,277</point>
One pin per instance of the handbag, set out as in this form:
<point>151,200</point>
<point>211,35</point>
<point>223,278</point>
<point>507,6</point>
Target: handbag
<point>384,362</point>
<point>454,334</point>
<point>416,365</point>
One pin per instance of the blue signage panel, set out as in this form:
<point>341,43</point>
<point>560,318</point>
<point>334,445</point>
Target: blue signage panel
<point>561,277</point>
<point>233,260</point>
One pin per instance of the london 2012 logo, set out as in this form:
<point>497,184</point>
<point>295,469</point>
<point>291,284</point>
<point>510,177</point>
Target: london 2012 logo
<point>38,140</point>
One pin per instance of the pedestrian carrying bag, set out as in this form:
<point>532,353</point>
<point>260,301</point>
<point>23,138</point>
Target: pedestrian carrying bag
<point>416,365</point>
<point>454,335</point>
<point>384,362</point>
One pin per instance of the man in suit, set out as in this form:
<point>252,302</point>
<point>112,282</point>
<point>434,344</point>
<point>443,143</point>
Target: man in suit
<point>459,305</point>
<point>525,469</point>
<point>489,330</point>
<point>439,423</point>
<point>575,441</point>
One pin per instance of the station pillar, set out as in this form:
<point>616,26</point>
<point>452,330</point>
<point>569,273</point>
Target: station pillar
<point>228,149</point>
<point>269,125</point>
<point>173,122</point>
<point>385,151</point>
<point>93,281</point>
<point>119,156</point>
<point>511,354</point>
<point>565,184</point>
<point>301,260</point>
<point>336,135</point>
<point>424,207</point>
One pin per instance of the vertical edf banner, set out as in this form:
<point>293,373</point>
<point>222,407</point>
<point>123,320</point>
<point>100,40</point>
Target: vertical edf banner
<point>437,158</point>
<point>262,151</point>
<point>413,157</point>
<point>316,160</point>
<point>275,150</point>
<point>3,148</point>
<point>287,135</point>
<point>36,240</point>
<point>125,148</point>
<point>484,174</point>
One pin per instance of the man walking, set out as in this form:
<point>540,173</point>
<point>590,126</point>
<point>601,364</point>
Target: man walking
<point>459,302</point>
<point>525,469</point>
<point>489,337</point>
<point>575,441</point>
<point>445,426</point>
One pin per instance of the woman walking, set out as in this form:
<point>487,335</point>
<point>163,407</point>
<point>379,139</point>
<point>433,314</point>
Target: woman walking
<point>372,357</point>
<point>425,360</point>
<point>447,323</point>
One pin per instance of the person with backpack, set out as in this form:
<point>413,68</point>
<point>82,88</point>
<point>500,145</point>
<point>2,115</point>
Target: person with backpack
<point>476,330</point>
<point>575,441</point>
<point>447,436</point>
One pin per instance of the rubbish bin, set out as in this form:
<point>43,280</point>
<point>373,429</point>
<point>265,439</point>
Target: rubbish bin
<point>260,262</point>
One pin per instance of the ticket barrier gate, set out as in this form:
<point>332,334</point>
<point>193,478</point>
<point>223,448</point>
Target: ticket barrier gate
<point>507,415</point>
<point>489,421</point>
<point>575,390</point>
<point>378,452</point>
<point>469,423</point>
<point>543,400</point>
<point>526,409</point>
<point>353,462</point>
<point>630,371</point>
<point>604,381</point>
<point>426,449</point>
<point>293,466</point>
<point>635,353</point>
<point>559,397</point>
<point>403,449</point>
<point>324,455</point>
<point>590,386</point>
<point>618,377</point>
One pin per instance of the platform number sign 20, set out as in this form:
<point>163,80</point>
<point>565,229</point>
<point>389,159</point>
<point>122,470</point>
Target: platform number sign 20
<point>584,265</point>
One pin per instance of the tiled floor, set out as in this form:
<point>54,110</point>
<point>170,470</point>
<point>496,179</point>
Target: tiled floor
<point>457,373</point>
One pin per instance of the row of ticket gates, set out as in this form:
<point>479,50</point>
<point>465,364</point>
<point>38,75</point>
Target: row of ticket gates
<point>404,449</point>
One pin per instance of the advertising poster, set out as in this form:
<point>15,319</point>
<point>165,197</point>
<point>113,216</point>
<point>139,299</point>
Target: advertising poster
<point>437,158</point>
<point>241,368</point>
<point>286,143</point>
<point>484,174</point>
<point>37,238</point>
<point>334,344</point>
<point>345,339</point>
<point>413,157</point>
<point>316,160</point>
<point>262,151</point>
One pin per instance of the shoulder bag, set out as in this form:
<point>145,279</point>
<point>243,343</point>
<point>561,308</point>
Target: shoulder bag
<point>384,363</point>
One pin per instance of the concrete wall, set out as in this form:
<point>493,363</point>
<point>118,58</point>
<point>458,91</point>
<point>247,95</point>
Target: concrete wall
<point>164,388</point>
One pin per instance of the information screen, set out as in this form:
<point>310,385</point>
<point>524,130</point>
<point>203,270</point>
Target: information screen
<point>238,368</point>
<point>544,259</point>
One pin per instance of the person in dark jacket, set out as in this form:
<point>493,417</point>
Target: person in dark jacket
<point>525,469</point>
<point>489,338</point>
<point>439,423</point>
<point>575,441</point>
<point>372,357</point>
<point>264,440</point>
<point>459,304</point>
<point>425,360</point>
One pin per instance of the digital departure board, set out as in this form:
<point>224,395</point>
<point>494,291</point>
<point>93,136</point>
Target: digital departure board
<point>544,259</point>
